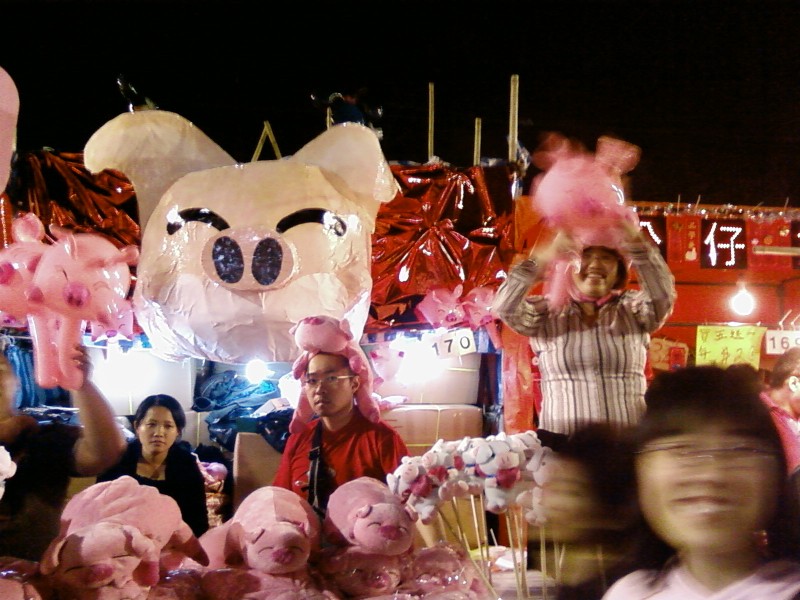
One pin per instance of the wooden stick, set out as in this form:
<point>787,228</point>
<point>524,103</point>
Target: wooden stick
<point>476,145</point>
<point>430,121</point>
<point>266,133</point>
<point>543,558</point>
<point>328,117</point>
<point>512,543</point>
<point>602,565</point>
<point>513,120</point>
<point>477,528</point>
<point>482,575</point>
<point>462,534</point>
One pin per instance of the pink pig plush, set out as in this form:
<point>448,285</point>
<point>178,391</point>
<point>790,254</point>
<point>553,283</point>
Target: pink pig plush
<point>114,538</point>
<point>365,514</point>
<point>247,584</point>
<point>446,570</point>
<point>353,573</point>
<point>582,194</point>
<point>274,531</point>
<point>314,335</point>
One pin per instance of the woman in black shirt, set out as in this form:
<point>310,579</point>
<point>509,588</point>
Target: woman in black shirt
<point>158,458</point>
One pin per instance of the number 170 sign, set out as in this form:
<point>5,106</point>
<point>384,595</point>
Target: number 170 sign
<point>454,342</point>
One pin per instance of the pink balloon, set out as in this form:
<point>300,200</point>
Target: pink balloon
<point>80,277</point>
<point>442,308</point>
<point>9,110</point>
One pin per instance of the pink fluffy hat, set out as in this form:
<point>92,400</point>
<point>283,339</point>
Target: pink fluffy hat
<point>321,334</point>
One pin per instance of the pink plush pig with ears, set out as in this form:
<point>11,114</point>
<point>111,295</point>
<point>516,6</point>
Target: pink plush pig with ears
<point>365,514</point>
<point>321,334</point>
<point>115,538</point>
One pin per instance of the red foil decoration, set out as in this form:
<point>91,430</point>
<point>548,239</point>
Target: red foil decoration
<point>59,189</point>
<point>446,227</point>
<point>520,383</point>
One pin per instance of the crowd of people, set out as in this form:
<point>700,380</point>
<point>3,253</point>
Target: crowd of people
<point>683,487</point>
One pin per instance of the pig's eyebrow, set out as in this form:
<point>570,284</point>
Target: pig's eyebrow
<point>204,215</point>
<point>313,215</point>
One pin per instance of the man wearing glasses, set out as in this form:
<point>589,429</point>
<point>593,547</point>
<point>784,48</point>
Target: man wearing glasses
<point>345,437</point>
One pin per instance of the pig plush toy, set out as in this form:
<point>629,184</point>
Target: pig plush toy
<point>115,539</point>
<point>274,531</point>
<point>365,514</point>
<point>264,547</point>
<point>233,255</point>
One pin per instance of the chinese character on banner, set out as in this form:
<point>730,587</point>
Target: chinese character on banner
<point>724,345</point>
<point>655,228</point>
<point>723,243</point>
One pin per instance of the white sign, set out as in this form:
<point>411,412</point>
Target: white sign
<point>454,342</point>
<point>778,341</point>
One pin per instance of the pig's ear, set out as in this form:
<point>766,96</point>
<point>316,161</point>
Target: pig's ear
<point>235,540</point>
<point>350,154</point>
<point>153,148</point>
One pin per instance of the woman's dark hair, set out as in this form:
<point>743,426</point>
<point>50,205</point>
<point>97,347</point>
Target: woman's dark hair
<point>687,399</point>
<point>605,452</point>
<point>788,364</point>
<point>168,402</point>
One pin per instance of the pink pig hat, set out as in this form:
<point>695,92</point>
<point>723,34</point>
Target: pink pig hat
<point>322,334</point>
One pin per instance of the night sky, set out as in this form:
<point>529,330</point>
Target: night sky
<point>710,90</point>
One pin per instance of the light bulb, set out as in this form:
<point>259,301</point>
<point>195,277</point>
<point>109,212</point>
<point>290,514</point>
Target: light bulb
<point>257,371</point>
<point>742,302</point>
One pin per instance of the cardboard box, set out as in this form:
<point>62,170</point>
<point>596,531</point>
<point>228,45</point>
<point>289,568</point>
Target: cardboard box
<point>421,425</point>
<point>457,384</point>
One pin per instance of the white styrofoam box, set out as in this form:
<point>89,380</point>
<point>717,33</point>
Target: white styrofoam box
<point>421,425</point>
<point>455,382</point>
<point>126,379</point>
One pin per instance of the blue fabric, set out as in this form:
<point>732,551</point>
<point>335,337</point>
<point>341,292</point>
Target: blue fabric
<point>29,394</point>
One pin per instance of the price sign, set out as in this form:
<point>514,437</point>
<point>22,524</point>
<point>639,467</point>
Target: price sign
<point>722,345</point>
<point>454,342</point>
<point>778,341</point>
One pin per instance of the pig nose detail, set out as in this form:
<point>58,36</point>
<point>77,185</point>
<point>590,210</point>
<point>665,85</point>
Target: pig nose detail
<point>6,272</point>
<point>390,532</point>
<point>283,556</point>
<point>249,258</point>
<point>229,261</point>
<point>98,573</point>
<point>76,295</point>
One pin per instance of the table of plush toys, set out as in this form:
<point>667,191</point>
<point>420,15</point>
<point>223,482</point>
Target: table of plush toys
<point>123,540</point>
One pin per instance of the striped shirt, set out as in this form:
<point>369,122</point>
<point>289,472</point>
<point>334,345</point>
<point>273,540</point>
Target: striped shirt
<point>591,372</point>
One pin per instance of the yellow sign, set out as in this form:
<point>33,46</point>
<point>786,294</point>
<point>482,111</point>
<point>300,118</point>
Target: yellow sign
<point>724,346</point>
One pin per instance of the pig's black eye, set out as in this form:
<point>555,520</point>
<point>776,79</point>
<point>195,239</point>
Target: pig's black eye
<point>204,215</point>
<point>313,215</point>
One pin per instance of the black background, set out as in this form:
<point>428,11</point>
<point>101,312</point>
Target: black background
<point>708,89</point>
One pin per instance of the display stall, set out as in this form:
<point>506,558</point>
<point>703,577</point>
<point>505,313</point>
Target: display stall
<point>409,257</point>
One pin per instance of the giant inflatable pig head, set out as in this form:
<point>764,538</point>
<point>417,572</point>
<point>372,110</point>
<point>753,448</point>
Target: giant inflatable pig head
<point>233,255</point>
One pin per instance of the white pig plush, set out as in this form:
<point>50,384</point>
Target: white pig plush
<point>233,255</point>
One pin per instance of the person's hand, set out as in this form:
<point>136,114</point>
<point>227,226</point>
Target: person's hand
<point>561,245</point>
<point>633,232</point>
<point>80,356</point>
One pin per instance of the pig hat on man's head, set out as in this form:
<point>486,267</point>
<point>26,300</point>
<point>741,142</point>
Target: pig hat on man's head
<point>326,335</point>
